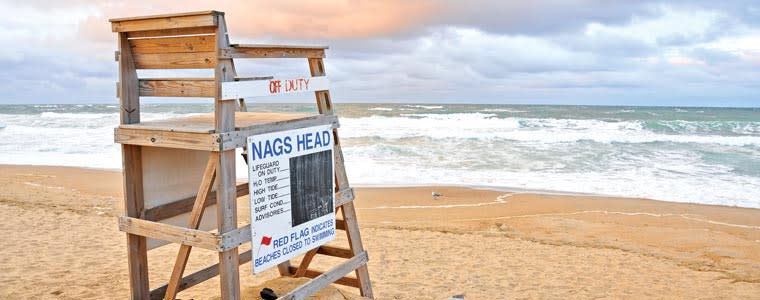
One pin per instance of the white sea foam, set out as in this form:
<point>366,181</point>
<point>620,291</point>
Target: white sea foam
<point>503,110</point>
<point>487,126</point>
<point>713,162</point>
<point>424,106</point>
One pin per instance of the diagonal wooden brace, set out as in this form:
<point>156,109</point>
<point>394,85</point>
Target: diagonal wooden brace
<point>195,220</point>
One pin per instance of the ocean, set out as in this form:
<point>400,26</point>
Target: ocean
<point>699,155</point>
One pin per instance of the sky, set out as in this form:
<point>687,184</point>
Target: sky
<point>676,53</point>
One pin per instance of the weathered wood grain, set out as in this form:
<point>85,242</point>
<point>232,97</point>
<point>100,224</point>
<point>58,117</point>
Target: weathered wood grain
<point>179,44</point>
<point>179,207</point>
<point>166,139</point>
<point>197,277</point>
<point>347,281</point>
<point>272,51</point>
<point>335,251</point>
<point>202,30</point>
<point>224,120</point>
<point>171,233</point>
<point>187,60</point>
<point>172,21</point>
<point>195,219</point>
<point>177,87</point>
<point>324,279</point>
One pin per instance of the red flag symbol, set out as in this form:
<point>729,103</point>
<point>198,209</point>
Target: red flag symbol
<point>266,240</point>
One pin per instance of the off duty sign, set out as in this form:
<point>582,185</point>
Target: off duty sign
<point>291,182</point>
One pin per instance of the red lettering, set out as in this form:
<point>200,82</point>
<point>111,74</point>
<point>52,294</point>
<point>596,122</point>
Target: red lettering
<point>274,86</point>
<point>306,84</point>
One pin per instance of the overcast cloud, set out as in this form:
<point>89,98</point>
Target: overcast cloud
<point>559,52</point>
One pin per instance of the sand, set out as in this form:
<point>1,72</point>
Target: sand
<point>60,241</point>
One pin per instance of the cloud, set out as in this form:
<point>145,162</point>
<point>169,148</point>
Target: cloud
<point>429,50</point>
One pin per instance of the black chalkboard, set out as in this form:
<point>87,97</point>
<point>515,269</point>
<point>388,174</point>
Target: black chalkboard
<point>311,186</point>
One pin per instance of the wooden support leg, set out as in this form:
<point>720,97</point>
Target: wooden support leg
<point>226,195</point>
<point>137,251</point>
<point>195,220</point>
<point>324,104</point>
<point>355,242</point>
<point>226,192</point>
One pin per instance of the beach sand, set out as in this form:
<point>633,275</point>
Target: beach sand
<point>60,241</point>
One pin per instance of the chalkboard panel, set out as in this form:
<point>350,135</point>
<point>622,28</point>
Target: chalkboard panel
<point>311,186</point>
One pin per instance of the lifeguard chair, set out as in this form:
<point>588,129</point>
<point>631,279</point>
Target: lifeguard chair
<point>176,169</point>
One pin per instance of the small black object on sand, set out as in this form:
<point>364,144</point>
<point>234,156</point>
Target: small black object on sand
<point>268,294</point>
<point>436,195</point>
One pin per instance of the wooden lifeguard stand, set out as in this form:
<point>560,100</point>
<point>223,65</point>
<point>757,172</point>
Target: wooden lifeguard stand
<point>175,168</point>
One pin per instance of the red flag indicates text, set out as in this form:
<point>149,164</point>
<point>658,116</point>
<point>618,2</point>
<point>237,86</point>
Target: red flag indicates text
<point>266,240</point>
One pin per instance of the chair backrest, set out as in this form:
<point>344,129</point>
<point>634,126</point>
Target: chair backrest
<point>175,41</point>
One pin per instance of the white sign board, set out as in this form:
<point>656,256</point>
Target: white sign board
<point>259,88</point>
<point>291,181</point>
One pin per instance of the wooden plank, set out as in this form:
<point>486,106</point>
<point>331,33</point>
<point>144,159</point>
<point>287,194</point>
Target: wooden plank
<point>196,43</point>
<point>137,251</point>
<point>204,30</point>
<point>347,281</point>
<point>234,238</point>
<point>253,78</point>
<point>164,22</point>
<point>179,207</point>
<point>344,196</point>
<point>237,139</point>
<point>197,277</point>
<point>205,123</point>
<point>324,279</point>
<point>167,139</point>
<point>171,233</point>
<point>272,52</point>
<point>335,251</point>
<point>193,132</point>
<point>129,101</point>
<point>128,90</point>
<point>224,121</point>
<point>195,219</point>
<point>279,46</point>
<point>182,14</point>
<point>196,60</point>
<point>272,87</point>
<point>340,224</point>
<point>177,88</point>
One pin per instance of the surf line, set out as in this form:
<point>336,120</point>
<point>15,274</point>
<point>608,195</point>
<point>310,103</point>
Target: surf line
<point>501,199</point>
<point>684,216</point>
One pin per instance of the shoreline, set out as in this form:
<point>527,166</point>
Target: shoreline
<point>62,242</point>
<point>464,186</point>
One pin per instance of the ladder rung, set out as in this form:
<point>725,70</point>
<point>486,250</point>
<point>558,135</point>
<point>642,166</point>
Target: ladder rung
<point>340,224</point>
<point>335,251</point>
<point>347,281</point>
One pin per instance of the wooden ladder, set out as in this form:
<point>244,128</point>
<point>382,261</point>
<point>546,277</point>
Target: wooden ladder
<point>348,223</point>
<point>347,211</point>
